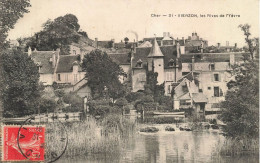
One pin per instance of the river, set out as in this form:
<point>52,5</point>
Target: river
<point>164,146</point>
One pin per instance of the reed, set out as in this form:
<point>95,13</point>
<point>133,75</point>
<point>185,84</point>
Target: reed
<point>90,137</point>
<point>232,147</point>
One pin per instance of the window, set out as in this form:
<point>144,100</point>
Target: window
<point>139,63</point>
<point>212,66</point>
<point>185,102</point>
<point>209,88</point>
<point>216,77</point>
<point>216,92</point>
<point>169,76</point>
<point>58,77</point>
<point>75,77</point>
<point>200,90</point>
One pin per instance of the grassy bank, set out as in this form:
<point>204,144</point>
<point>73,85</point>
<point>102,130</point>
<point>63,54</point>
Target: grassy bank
<point>91,137</point>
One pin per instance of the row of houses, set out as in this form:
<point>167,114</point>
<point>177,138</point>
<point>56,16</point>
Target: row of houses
<point>194,80</point>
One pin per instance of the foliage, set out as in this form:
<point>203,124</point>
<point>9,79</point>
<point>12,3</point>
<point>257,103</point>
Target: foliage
<point>133,96</point>
<point>126,39</point>
<point>99,107</point>
<point>75,102</point>
<point>246,29</point>
<point>103,75</point>
<point>241,105</point>
<point>59,33</point>
<point>145,103</point>
<point>121,102</point>
<point>152,87</point>
<point>20,89</point>
<point>47,105</point>
<point>11,11</point>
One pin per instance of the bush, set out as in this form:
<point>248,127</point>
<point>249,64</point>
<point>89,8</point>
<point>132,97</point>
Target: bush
<point>133,96</point>
<point>149,129</point>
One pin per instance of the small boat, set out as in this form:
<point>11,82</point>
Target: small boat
<point>168,113</point>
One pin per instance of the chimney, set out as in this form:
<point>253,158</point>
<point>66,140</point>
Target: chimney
<point>161,42</point>
<point>29,51</point>
<point>178,49</point>
<point>96,43</point>
<point>218,45</point>
<point>164,34</point>
<point>227,43</point>
<point>235,45</point>
<point>189,37</point>
<point>192,63</point>
<point>192,34</point>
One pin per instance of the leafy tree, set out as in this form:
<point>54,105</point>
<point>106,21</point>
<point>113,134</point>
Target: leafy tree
<point>47,105</point>
<point>252,49</point>
<point>103,75</point>
<point>75,102</point>
<point>126,39</point>
<point>11,11</point>
<point>152,87</point>
<point>241,105</point>
<point>21,90</point>
<point>59,33</point>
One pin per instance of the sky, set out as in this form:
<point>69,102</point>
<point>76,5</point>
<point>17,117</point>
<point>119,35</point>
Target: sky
<point>117,19</point>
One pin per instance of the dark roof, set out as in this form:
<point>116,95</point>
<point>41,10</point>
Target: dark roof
<point>120,58</point>
<point>210,57</point>
<point>169,53</point>
<point>43,59</point>
<point>66,63</point>
<point>152,38</point>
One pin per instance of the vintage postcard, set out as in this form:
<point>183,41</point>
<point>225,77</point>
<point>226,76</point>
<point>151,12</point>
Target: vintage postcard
<point>142,81</point>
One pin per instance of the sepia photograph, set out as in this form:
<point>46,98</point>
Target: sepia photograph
<point>129,81</point>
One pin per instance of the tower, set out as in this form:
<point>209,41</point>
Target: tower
<point>155,61</point>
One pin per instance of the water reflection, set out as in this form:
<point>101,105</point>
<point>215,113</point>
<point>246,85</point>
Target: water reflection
<point>177,146</point>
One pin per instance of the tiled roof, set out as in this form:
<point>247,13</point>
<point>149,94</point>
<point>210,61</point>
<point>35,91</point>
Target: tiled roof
<point>155,50</point>
<point>66,63</point>
<point>120,58</point>
<point>169,53</point>
<point>43,59</point>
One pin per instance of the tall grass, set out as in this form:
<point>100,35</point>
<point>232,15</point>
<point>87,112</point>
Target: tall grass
<point>232,147</point>
<point>91,137</point>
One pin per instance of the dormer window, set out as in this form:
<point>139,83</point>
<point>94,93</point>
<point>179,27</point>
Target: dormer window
<point>171,63</point>
<point>139,63</point>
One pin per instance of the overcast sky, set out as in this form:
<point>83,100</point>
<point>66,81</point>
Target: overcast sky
<point>106,19</point>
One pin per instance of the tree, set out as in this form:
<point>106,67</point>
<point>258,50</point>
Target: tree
<point>126,39</point>
<point>20,91</point>
<point>152,87</point>
<point>241,105</point>
<point>11,11</point>
<point>252,49</point>
<point>59,33</point>
<point>103,75</point>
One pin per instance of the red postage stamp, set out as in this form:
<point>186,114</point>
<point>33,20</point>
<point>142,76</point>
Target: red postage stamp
<point>23,143</point>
